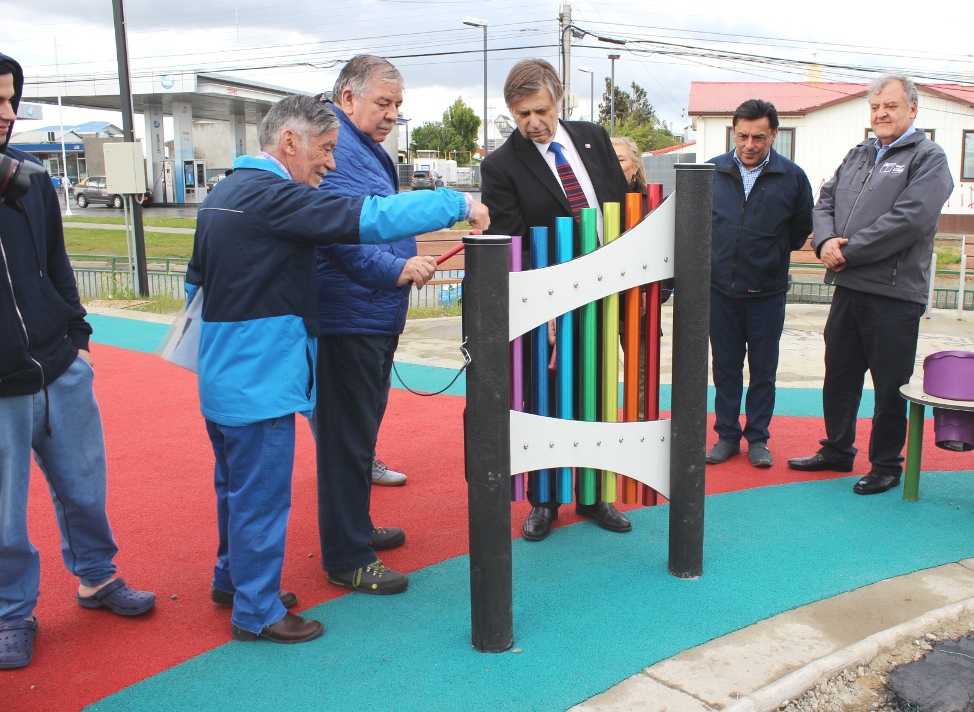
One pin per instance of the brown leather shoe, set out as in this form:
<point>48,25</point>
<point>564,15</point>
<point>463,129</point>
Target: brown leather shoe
<point>290,629</point>
<point>222,598</point>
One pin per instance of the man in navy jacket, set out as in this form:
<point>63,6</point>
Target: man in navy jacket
<point>47,404</point>
<point>363,296</point>
<point>253,258</point>
<point>762,210</point>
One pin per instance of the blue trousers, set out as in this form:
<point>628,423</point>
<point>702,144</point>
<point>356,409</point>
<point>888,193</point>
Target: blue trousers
<point>740,326</point>
<point>252,478</point>
<point>353,375</point>
<point>879,334</point>
<point>72,459</point>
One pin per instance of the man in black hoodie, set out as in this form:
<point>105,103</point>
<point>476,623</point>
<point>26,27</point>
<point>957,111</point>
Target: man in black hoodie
<point>47,402</point>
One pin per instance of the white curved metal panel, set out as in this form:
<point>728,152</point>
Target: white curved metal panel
<point>641,255</point>
<point>640,450</point>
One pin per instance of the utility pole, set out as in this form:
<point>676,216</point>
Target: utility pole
<point>564,27</point>
<point>128,130</point>
<point>612,96</point>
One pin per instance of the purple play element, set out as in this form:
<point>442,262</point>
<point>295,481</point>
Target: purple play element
<point>953,429</point>
<point>949,374</point>
<point>517,371</point>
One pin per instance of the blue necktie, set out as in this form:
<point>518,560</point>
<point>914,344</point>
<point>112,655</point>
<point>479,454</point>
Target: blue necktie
<point>576,198</point>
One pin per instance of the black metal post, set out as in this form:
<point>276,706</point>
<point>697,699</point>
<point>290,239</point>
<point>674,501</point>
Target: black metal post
<point>128,130</point>
<point>487,441</point>
<point>691,331</point>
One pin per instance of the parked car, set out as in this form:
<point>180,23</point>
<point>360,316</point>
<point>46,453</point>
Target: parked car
<point>92,190</point>
<point>427,180</point>
<point>211,182</point>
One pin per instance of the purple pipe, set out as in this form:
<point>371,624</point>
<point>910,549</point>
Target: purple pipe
<point>517,371</point>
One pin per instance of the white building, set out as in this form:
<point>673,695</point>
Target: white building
<point>821,121</point>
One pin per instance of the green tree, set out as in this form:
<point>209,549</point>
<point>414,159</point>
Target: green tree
<point>433,136</point>
<point>454,136</point>
<point>463,124</point>
<point>635,117</point>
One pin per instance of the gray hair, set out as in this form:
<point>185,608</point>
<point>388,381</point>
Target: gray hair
<point>305,115</point>
<point>880,83</point>
<point>361,72</point>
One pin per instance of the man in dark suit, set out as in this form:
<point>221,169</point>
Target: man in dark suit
<point>524,184</point>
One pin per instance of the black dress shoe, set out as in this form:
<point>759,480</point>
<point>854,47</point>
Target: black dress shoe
<point>817,463</point>
<point>876,483</point>
<point>538,524</point>
<point>290,629</point>
<point>605,515</point>
<point>222,598</point>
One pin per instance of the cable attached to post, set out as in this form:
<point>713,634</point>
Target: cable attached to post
<point>463,350</point>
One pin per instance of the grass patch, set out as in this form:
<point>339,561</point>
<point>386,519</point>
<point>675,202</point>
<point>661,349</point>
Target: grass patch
<point>429,312</point>
<point>94,241</point>
<point>947,257</point>
<point>189,223</point>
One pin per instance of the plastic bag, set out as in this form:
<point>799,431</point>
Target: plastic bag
<point>181,343</point>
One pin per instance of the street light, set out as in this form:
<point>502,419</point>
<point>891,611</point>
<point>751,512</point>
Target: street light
<point>591,73</point>
<point>612,96</point>
<point>477,22</point>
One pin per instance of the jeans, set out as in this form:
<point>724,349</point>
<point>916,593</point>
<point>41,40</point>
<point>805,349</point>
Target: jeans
<point>879,334</point>
<point>738,326</point>
<point>252,478</point>
<point>72,459</point>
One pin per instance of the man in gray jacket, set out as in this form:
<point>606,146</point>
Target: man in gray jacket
<point>874,227</point>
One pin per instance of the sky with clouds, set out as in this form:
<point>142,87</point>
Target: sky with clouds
<point>301,45</point>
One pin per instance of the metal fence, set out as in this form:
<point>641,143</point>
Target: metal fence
<point>817,292</point>
<point>108,277</point>
<point>112,277</point>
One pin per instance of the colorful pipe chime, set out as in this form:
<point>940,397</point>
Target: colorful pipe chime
<point>577,334</point>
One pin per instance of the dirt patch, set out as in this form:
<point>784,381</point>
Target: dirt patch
<point>863,689</point>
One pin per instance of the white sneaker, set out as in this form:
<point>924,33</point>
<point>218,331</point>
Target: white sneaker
<point>382,475</point>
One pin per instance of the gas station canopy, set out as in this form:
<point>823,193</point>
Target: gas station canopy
<point>213,97</point>
<point>185,96</point>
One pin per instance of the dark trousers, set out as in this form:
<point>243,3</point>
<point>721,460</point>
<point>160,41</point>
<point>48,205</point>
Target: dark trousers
<point>879,334</point>
<point>352,373</point>
<point>740,326</point>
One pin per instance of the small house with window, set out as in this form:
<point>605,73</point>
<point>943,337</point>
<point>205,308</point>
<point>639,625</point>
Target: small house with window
<point>821,121</point>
